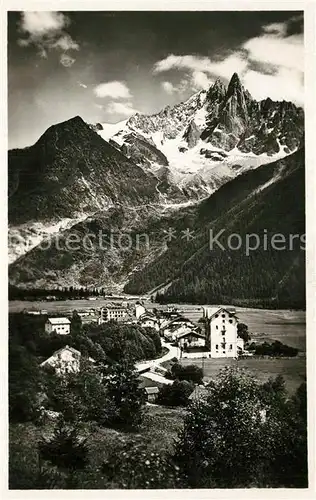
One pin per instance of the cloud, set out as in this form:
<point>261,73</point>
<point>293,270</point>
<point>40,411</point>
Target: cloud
<point>46,31</point>
<point>65,43</point>
<point>200,80</point>
<point>198,64</point>
<point>38,24</point>
<point>121,108</point>
<point>115,89</point>
<point>276,28</point>
<point>66,60</point>
<point>277,50</point>
<point>270,65</point>
<point>286,83</point>
<point>169,87</point>
<point>199,70</point>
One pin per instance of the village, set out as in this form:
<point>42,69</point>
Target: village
<point>213,333</point>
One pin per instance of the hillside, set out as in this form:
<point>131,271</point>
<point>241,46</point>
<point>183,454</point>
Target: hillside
<point>115,192</point>
<point>259,202</point>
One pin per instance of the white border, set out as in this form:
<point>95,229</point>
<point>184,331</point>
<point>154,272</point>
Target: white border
<point>310,113</point>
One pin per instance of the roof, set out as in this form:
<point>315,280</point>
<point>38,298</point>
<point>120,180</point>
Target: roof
<point>62,349</point>
<point>59,321</point>
<point>211,311</point>
<point>114,306</point>
<point>191,332</point>
<point>147,316</point>
<point>152,390</point>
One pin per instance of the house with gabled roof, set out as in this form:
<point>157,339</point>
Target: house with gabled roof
<point>221,332</point>
<point>149,320</point>
<point>65,360</point>
<point>58,325</point>
<point>191,338</point>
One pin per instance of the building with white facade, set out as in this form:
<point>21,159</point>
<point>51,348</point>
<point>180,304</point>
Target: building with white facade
<point>149,320</point>
<point>221,332</point>
<point>65,360</point>
<point>139,310</point>
<point>112,312</point>
<point>58,325</point>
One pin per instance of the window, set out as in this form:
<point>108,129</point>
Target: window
<point>223,321</point>
<point>216,347</point>
<point>216,315</point>
<point>216,327</point>
<point>231,347</point>
<point>223,315</point>
<point>230,320</point>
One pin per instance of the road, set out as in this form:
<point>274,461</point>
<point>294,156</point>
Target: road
<point>173,352</point>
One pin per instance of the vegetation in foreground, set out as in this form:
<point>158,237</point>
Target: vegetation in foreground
<point>92,429</point>
<point>241,434</point>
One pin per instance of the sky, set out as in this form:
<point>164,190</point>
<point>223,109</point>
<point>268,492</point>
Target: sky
<point>106,66</point>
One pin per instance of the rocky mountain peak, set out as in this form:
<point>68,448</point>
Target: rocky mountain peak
<point>234,85</point>
<point>216,91</point>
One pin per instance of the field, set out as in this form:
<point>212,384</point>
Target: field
<point>292,369</point>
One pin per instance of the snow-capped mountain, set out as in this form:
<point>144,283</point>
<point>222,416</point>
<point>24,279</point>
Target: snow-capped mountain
<point>139,176</point>
<point>215,135</point>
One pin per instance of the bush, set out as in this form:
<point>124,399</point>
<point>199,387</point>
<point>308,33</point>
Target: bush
<point>243,435</point>
<point>276,349</point>
<point>191,373</point>
<point>176,394</point>
<point>134,467</point>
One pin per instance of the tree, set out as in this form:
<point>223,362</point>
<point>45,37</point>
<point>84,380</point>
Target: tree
<point>242,435</point>
<point>25,384</point>
<point>191,373</point>
<point>176,394</point>
<point>124,395</point>
<point>81,396</point>
<point>65,449</point>
<point>242,332</point>
<point>76,324</point>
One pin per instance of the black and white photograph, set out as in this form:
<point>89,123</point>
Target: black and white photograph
<point>156,250</point>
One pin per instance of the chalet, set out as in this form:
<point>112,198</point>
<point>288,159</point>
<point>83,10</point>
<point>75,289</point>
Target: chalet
<point>90,318</point>
<point>171,329</point>
<point>65,360</point>
<point>152,394</point>
<point>149,320</point>
<point>58,325</point>
<point>171,334</point>
<point>191,338</point>
<point>221,332</point>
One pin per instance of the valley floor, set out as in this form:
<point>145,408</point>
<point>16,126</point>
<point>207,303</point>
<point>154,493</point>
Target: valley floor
<point>293,370</point>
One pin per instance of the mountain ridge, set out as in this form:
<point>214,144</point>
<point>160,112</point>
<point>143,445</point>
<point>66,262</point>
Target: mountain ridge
<point>143,174</point>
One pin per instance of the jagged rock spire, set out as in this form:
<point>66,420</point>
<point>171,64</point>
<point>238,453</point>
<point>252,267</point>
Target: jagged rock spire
<point>217,90</point>
<point>234,85</point>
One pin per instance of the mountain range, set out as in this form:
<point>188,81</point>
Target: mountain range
<point>220,158</point>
